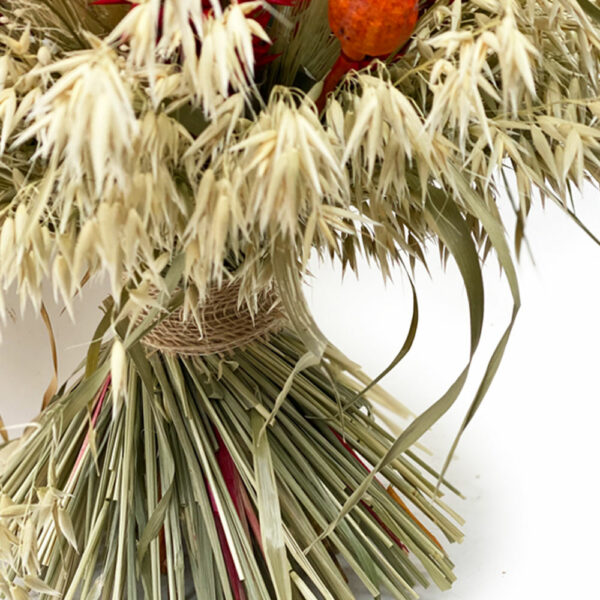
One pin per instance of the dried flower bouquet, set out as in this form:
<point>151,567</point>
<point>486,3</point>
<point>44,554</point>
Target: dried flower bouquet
<point>197,152</point>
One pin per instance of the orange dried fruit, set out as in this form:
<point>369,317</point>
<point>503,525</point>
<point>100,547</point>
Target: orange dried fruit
<point>372,27</point>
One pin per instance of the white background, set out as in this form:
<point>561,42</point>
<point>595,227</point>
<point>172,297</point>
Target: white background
<point>528,464</point>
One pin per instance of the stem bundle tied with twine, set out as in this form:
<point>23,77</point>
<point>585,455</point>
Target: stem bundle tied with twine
<point>220,324</point>
<point>198,152</point>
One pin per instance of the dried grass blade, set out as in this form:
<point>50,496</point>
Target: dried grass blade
<point>269,512</point>
<point>408,343</point>
<point>53,386</point>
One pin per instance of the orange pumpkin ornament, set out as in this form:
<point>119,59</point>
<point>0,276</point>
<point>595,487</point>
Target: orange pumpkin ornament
<point>372,28</point>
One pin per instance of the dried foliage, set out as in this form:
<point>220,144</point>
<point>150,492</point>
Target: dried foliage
<point>182,136</point>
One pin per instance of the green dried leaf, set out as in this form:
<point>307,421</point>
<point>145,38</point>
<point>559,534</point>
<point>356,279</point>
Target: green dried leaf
<point>445,219</point>
<point>93,354</point>
<point>408,343</point>
<point>271,525</point>
<point>591,9</point>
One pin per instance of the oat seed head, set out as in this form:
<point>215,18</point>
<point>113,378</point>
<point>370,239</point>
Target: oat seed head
<point>128,147</point>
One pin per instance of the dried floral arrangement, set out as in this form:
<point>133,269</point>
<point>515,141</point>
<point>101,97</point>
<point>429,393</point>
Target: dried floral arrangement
<point>197,152</point>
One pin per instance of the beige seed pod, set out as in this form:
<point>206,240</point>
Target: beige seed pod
<point>118,370</point>
<point>44,56</point>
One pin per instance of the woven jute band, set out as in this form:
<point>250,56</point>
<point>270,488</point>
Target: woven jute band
<point>224,324</point>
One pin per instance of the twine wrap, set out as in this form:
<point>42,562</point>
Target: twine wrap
<point>224,324</point>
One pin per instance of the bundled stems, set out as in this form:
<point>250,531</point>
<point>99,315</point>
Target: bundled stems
<point>184,491</point>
